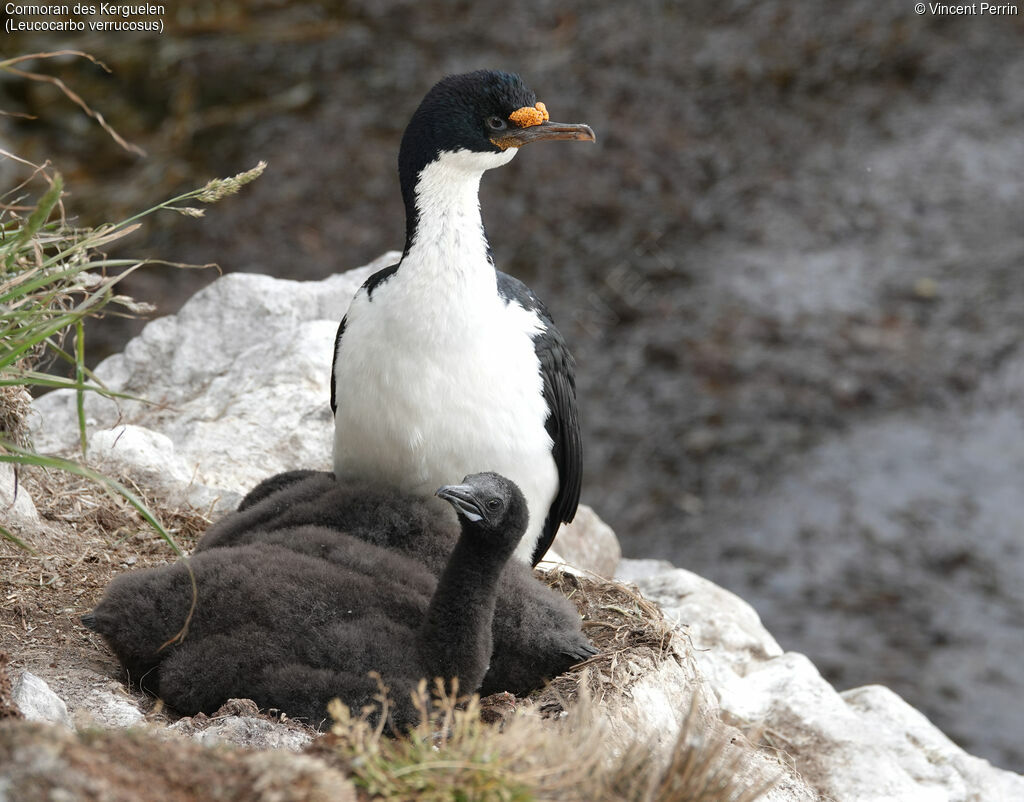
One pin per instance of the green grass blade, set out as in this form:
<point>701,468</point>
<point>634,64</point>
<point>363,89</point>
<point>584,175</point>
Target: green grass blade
<point>21,288</point>
<point>80,383</point>
<point>42,331</point>
<point>45,274</point>
<point>38,217</point>
<point>36,379</point>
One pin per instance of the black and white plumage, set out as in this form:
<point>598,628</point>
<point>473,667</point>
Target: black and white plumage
<point>302,615</point>
<point>442,365</point>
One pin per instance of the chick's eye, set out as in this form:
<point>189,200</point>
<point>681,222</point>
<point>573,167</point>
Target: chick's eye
<point>493,504</point>
<point>495,123</point>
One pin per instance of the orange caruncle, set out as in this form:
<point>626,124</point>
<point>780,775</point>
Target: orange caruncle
<point>530,115</point>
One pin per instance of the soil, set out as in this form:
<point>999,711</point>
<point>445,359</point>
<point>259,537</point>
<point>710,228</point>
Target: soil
<point>789,270</point>
<point>88,538</point>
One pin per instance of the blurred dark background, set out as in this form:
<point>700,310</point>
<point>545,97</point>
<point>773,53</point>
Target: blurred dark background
<point>791,272</point>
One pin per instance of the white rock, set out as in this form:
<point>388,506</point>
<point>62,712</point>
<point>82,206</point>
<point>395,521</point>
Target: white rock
<point>725,631</point>
<point>152,458</point>
<point>105,708</point>
<point>876,748</point>
<point>16,507</point>
<point>238,381</point>
<point>35,699</point>
<point>867,744</point>
<point>249,732</point>
<point>589,543</point>
<point>925,753</point>
<point>632,570</point>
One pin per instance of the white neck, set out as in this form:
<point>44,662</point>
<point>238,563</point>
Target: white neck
<point>449,234</point>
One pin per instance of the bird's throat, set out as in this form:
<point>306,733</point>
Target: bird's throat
<point>443,222</point>
<point>446,221</point>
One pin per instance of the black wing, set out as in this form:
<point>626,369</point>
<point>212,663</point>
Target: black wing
<point>558,370</point>
<point>369,285</point>
<point>334,364</point>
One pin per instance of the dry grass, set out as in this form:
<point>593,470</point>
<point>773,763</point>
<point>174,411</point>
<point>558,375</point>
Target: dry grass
<point>15,403</point>
<point>621,623</point>
<point>99,515</point>
<point>453,755</point>
<point>83,519</point>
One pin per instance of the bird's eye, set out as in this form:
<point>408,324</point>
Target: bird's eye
<point>493,505</point>
<point>496,123</point>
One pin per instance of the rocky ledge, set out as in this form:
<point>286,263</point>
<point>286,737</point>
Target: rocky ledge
<point>235,388</point>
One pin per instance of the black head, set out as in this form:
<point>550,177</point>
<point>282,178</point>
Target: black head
<point>482,112</point>
<point>490,505</point>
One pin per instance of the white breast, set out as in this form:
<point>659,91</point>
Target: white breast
<point>437,376</point>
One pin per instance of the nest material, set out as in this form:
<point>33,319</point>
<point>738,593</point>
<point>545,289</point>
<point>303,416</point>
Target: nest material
<point>100,516</point>
<point>626,628</point>
<point>15,404</point>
